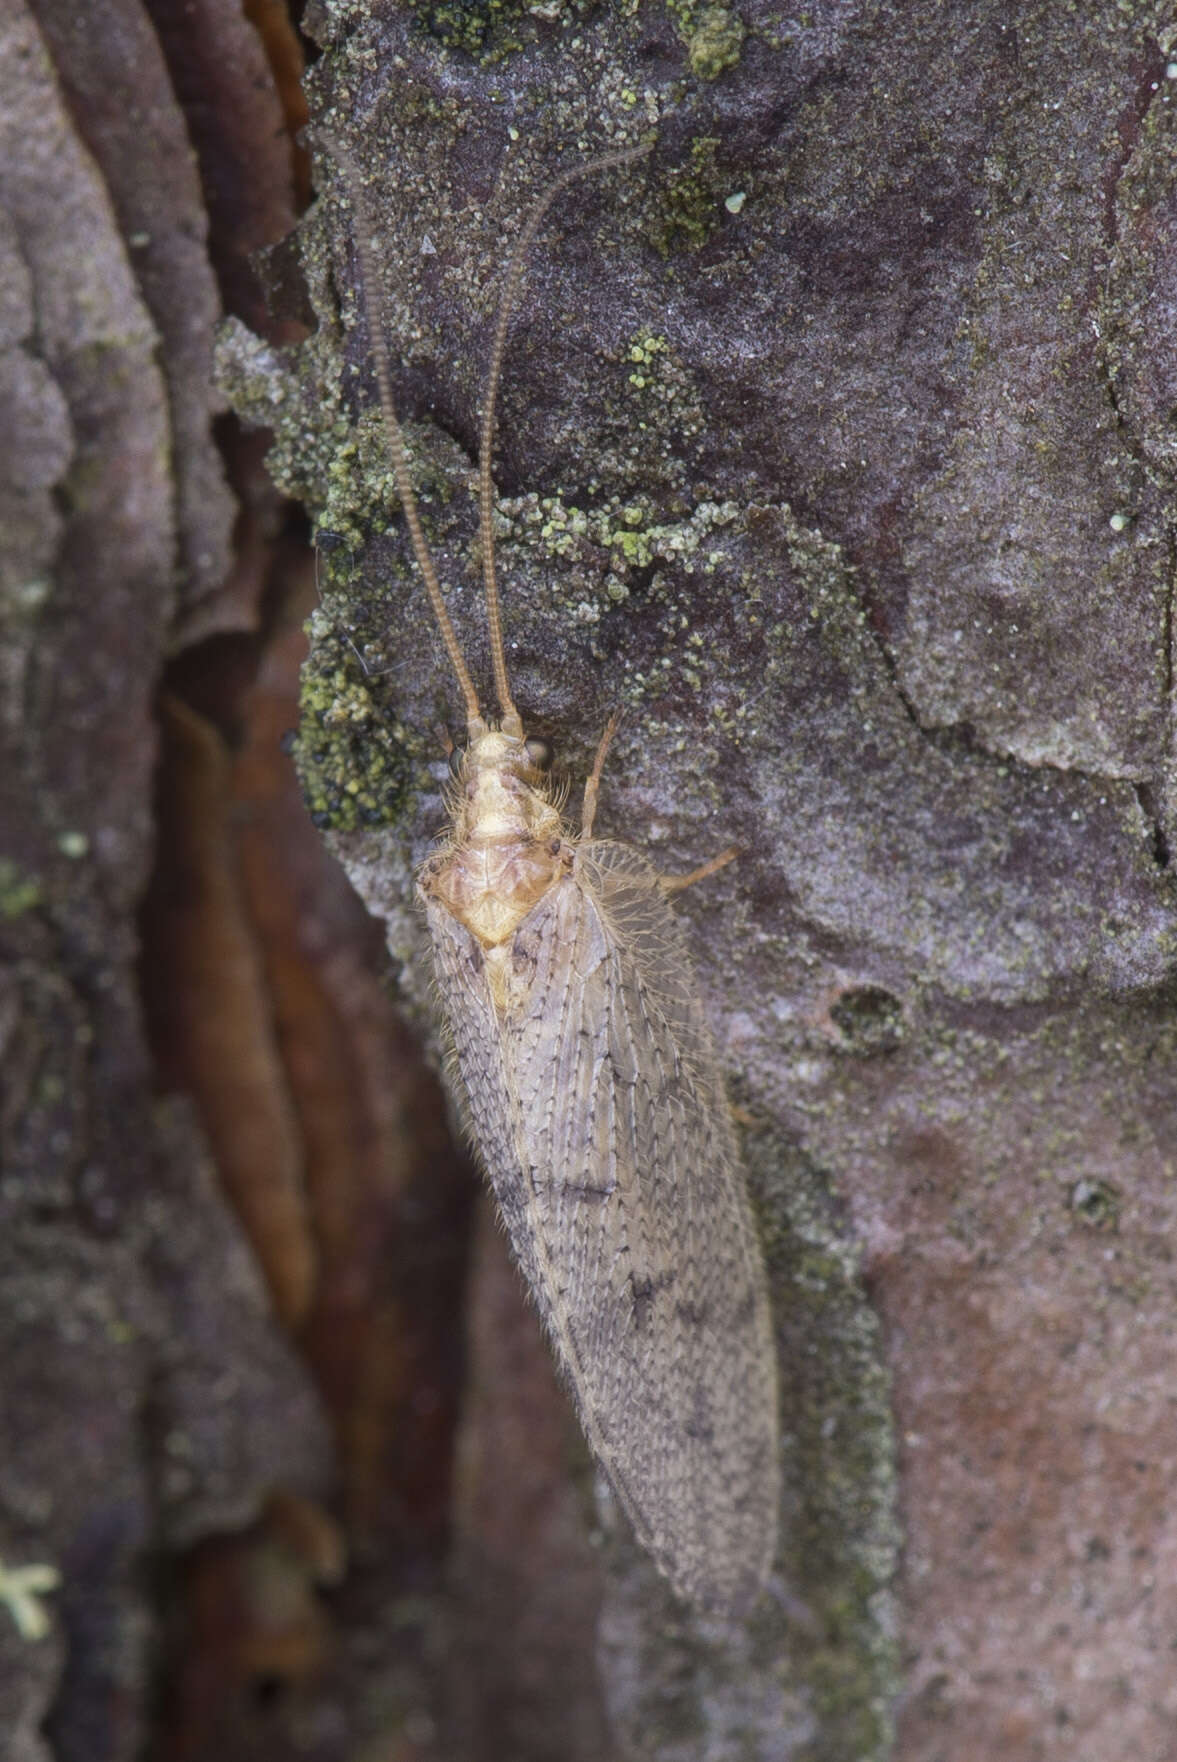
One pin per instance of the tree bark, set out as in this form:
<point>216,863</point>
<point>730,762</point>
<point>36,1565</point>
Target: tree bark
<point>836,447</point>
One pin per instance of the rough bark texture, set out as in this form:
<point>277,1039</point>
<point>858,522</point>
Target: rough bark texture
<point>837,446</point>
<point>145,1395</point>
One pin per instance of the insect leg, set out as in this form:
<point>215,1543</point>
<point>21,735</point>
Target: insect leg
<point>588,812</point>
<point>676,883</point>
<point>442,737</point>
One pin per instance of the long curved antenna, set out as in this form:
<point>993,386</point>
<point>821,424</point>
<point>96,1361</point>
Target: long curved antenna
<point>511,282</point>
<point>365,254</point>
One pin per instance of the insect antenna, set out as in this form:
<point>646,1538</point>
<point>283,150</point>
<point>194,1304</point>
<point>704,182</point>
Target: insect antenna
<point>511,721</point>
<point>366,258</point>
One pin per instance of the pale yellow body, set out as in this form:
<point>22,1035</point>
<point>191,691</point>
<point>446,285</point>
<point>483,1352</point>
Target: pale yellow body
<point>507,848</point>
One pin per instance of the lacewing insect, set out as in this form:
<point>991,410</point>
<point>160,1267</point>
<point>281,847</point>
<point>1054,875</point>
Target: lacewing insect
<point>594,1095</point>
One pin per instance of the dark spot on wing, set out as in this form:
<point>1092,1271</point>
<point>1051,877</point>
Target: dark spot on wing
<point>523,957</point>
<point>700,1425</point>
<point>693,1314</point>
<point>586,1191</point>
<point>644,1291</point>
<point>643,1302</point>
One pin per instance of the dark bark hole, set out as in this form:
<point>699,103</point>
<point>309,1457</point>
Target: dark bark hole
<point>869,1019</point>
<point>267,1690</point>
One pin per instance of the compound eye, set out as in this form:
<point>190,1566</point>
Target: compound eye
<point>457,757</point>
<point>539,751</point>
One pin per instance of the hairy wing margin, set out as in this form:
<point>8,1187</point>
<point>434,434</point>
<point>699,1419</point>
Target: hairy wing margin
<point>642,1227</point>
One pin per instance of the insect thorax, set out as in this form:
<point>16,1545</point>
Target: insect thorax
<point>508,845</point>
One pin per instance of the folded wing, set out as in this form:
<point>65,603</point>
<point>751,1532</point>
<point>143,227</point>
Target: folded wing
<point>598,1106</point>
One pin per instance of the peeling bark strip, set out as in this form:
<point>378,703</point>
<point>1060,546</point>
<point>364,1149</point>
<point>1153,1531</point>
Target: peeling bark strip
<point>596,1100</point>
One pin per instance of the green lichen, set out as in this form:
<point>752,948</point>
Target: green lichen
<point>19,893</point>
<point>644,352</point>
<point>692,206</point>
<point>21,1591</point>
<point>358,490</point>
<point>714,36</point>
<point>353,764</point>
<point>490,30</point>
<point>664,401</point>
<point>628,532</point>
<point>301,403</point>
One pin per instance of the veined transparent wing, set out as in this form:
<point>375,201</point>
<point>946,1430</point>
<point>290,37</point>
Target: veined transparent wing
<point>597,1104</point>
